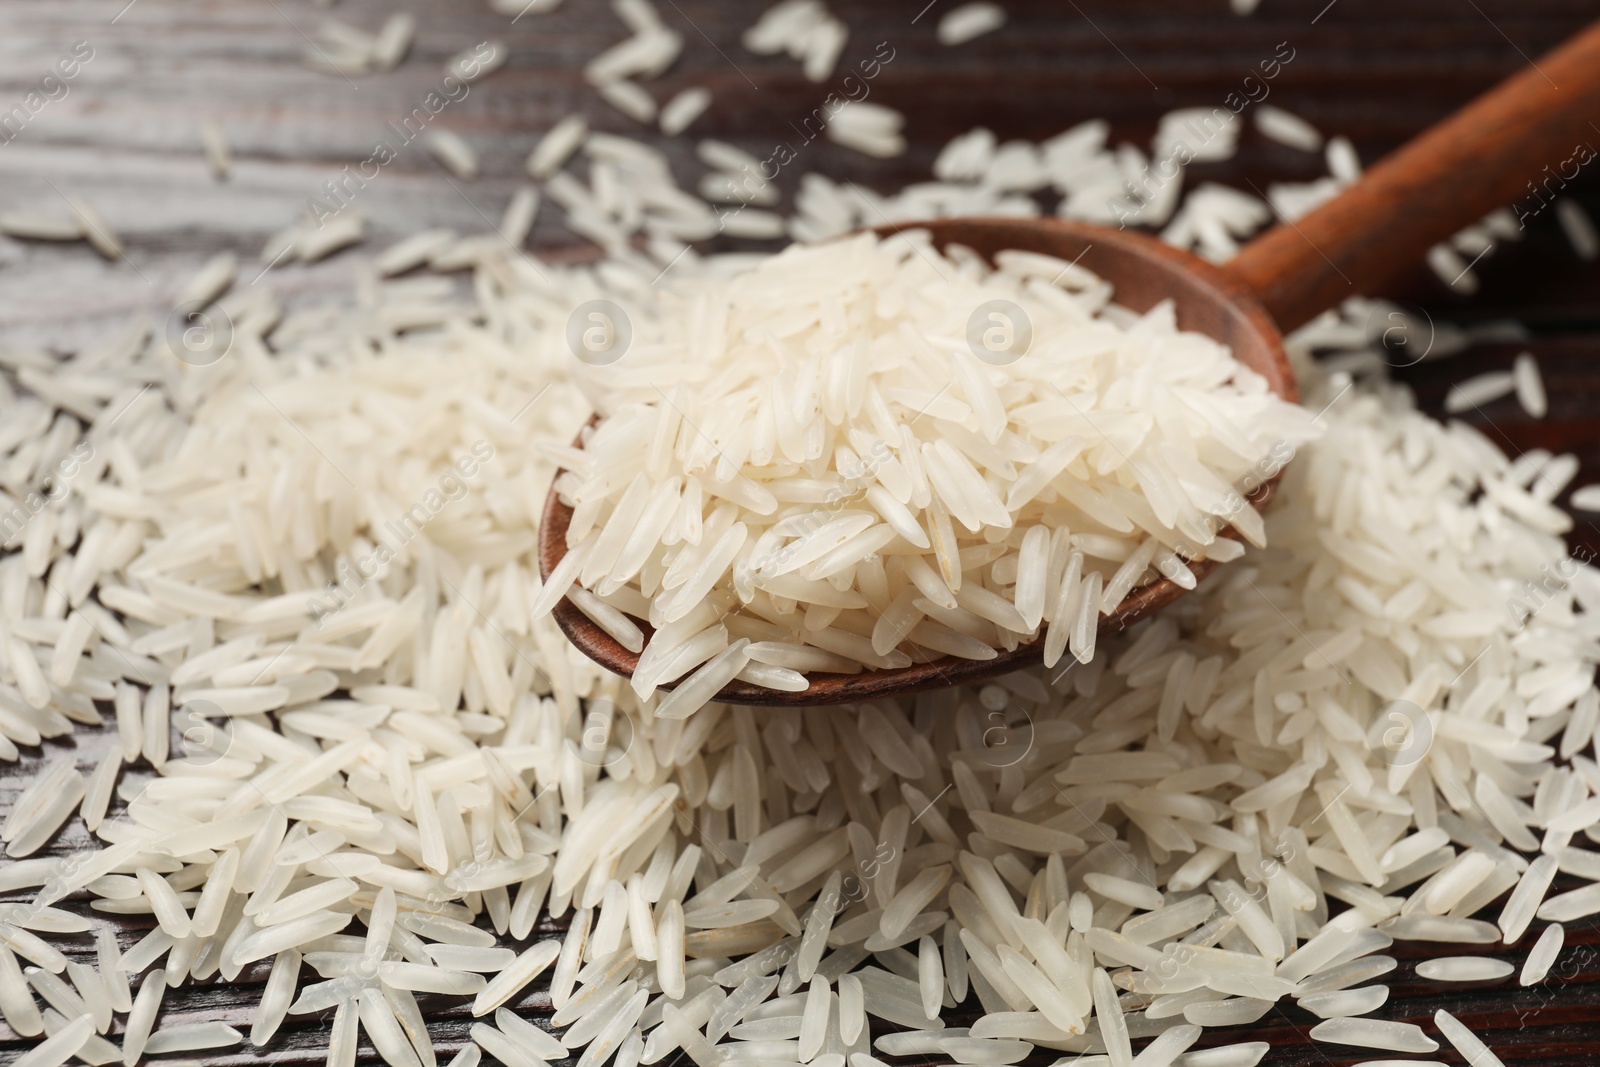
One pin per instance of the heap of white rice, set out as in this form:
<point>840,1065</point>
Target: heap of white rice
<point>302,579</point>
<point>864,454</point>
<point>322,564</point>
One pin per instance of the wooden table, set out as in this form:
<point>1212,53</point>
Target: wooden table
<point>126,136</point>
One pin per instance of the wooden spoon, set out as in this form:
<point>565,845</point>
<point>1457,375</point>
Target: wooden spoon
<point>1492,153</point>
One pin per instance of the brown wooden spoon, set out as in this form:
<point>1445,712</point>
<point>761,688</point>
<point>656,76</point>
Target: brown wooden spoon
<point>1492,153</point>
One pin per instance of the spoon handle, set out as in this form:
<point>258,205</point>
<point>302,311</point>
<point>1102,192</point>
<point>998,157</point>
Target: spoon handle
<point>1519,144</point>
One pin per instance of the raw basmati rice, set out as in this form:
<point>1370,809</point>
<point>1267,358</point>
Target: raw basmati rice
<point>96,230</point>
<point>59,1047</point>
<point>1543,955</point>
<point>1579,228</point>
<point>192,1037</point>
<point>35,227</point>
<point>1530,386</point>
<point>785,553</point>
<point>1243,1054</point>
<point>805,29</point>
<point>679,113</point>
<point>1287,128</point>
<point>210,281</point>
<point>1477,391</point>
<point>557,146</point>
<point>143,1016</point>
<point>393,40</point>
<point>218,156</point>
<point>1374,1033</point>
<point>1526,897</point>
<point>1455,271</point>
<point>1465,1041</point>
<point>339,232</point>
<point>871,129</point>
<point>1587,498</point>
<point>629,98</point>
<point>1345,1002</point>
<point>969,21</point>
<point>454,152</point>
<point>417,712</point>
<point>1463,969</point>
<point>477,62</point>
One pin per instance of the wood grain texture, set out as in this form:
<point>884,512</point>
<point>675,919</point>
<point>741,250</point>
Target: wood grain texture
<point>1496,150</point>
<point>1379,71</point>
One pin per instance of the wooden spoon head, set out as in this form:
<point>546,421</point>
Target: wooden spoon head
<point>1143,272</point>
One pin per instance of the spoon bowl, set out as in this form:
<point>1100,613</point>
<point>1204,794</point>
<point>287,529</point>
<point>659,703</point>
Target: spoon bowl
<point>1475,162</point>
<point>1143,272</point>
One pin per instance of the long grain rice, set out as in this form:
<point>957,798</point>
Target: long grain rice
<point>962,24</point>
<point>1465,1041</point>
<point>1543,955</point>
<point>419,743</point>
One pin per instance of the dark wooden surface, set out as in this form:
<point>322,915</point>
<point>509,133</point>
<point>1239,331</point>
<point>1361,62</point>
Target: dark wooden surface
<point>126,136</point>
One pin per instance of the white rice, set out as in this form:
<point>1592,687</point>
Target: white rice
<point>340,232</point>
<point>1287,128</point>
<point>1530,386</point>
<point>679,113</point>
<point>517,222</point>
<point>648,53</point>
<point>969,21</point>
<point>871,129</point>
<point>1113,1028</point>
<point>36,227</point>
<point>143,1016</point>
<point>1463,969</point>
<point>97,794</point>
<point>806,30</point>
<point>1526,897</point>
<point>1575,904</point>
<point>1579,228</point>
<point>276,997</point>
<point>1345,1002</point>
<point>421,745</point>
<point>630,98</point>
<point>1542,956</point>
<point>44,805</point>
<point>393,40</point>
<point>557,146</point>
<point>453,151</point>
<point>1482,389</point>
<point>1195,133</point>
<point>783,553</point>
<point>191,1037</point>
<point>1450,267</point>
<point>60,1046</point>
<point>477,62</point>
<point>1465,1041</point>
<point>1243,1054</point>
<point>218,156</point>
<point>1586,498</point>
<point>1343,163</point>
<point>1374,1033</point>
<point>96,230</point>
<point>209,282</point>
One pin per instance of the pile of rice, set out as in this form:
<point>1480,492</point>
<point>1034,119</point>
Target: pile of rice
<point>866,453</point>
<point>321,562</point>
<point>301,580</point>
